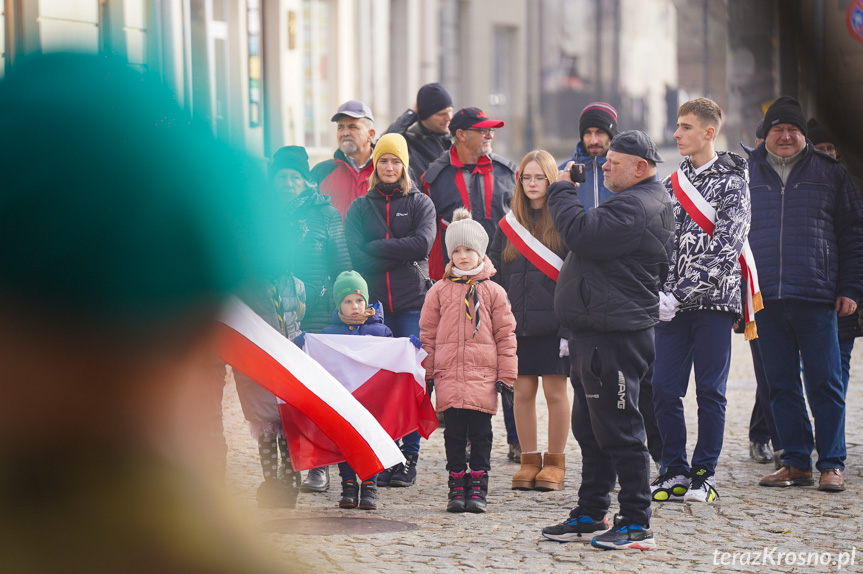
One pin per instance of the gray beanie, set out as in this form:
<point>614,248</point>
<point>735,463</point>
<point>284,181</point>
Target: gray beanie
<point>464,231</point>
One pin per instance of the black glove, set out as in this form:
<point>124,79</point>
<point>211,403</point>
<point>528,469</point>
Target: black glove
<point>429,386</point>
<point>507,394</point>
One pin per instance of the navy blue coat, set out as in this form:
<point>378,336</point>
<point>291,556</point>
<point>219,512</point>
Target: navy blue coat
<point>374,325</point>
<point>806,236</point>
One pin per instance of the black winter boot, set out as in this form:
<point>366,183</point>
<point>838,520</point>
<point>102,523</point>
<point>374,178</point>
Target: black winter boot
<point>369,495</point>
<point>350,493</point>
<point>385,475</point>
<point>290,478</point>
<point>478,483</point>
<point>457,482</point>
<point>407,475</point>
<point>272,493</point>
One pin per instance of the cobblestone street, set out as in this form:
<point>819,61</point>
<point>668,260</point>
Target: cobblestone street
<point>690,537</point>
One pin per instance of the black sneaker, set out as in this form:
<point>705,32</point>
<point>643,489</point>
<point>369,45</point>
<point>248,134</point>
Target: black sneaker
<point>350,494</point>
<point>625,535</point>
<point>577,528</point>
<point>368,495</point>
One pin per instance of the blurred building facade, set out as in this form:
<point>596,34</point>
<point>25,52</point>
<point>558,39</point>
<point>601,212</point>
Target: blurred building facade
<point>267,73</point>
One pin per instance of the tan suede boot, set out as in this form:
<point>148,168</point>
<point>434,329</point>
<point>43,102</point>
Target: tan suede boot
<point>552,474</point>
<point>531,464</point>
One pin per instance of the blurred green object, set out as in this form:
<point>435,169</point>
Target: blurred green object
<point>116,206</point>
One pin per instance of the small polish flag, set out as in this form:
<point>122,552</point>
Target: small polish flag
<point>261,353</point>
<point>384,374</point>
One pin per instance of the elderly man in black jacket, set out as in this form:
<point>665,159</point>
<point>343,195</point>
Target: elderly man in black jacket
<point>607,295</point>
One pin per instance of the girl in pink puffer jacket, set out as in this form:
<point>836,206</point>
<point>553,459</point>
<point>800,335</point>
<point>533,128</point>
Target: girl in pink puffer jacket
<point>468,330</point>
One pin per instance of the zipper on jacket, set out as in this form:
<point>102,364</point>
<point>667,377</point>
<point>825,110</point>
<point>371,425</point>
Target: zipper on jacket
<point>389,289</point>
<point>595,182</point>
<point>781,235</point>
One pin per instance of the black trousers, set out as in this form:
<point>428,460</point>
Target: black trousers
<point>607,373</point>
<point>648,413</point>
<point>463,425</point>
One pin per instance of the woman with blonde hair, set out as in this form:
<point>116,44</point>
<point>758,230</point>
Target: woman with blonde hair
<point>528,252</point>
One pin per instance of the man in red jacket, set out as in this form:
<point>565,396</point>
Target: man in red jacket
<point>346,176</point>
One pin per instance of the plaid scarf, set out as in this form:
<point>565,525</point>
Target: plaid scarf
<point>471,293</point>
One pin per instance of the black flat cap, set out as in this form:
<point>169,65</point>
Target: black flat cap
<point>637,143</point>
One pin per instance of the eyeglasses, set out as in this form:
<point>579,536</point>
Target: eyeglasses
<point>538,179</point>
<point>483,131</point>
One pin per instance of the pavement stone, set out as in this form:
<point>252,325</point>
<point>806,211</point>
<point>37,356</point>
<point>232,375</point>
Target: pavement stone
<point>747,518</point>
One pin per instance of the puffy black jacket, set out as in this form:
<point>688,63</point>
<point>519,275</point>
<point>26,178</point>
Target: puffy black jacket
<point>424,145</point>
<point>386,262</point>
<point>530,291</point>
<point>619,257</point>
<point>806,235</point>
<point>319,255</point>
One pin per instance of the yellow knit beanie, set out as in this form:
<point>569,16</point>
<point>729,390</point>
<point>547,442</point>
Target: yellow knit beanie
<point>394,144</point>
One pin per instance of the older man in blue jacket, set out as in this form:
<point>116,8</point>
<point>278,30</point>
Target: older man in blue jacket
<point>807,239</point>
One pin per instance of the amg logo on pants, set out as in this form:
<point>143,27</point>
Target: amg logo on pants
<point>621,391</point>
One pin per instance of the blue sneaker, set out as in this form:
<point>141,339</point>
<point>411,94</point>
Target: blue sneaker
<point>625,535</point>
<point>577,528</point>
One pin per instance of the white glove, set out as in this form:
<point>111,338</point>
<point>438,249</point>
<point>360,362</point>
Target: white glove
<point>564,348</point>
<point>668,305</point>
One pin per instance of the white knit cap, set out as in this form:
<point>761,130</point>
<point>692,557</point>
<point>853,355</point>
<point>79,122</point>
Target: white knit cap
<point>464,231</point>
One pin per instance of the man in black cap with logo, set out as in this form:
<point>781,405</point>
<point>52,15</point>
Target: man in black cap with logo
<point>426,126</point>
<point>469,175</point>
<point>608,297</point>
<point>807,237</point>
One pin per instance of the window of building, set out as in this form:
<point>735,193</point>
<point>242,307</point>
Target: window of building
<point>318,47</point>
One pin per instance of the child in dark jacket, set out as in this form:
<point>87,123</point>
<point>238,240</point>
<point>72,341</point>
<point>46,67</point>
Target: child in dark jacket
<point>354,317</point>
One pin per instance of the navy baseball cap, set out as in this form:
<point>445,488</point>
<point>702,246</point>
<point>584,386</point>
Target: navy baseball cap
<point>355,109</point>
<point>472,118</point>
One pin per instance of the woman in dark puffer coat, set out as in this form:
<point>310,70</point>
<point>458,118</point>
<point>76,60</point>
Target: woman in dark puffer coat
<point>542,343</point>
<point>390,232</point>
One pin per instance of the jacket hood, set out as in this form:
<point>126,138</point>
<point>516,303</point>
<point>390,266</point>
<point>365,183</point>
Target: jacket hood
<point>747,149</point>
<point>729,162</point>
<point>488,270</point>
<point>377,318</point>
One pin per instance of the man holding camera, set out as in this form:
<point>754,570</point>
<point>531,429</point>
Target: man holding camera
<point>607,295</point>
<point>597,126</point>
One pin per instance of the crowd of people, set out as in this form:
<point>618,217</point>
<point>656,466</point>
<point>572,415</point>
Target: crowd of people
<point>621,282</point>
<point>507,275</point>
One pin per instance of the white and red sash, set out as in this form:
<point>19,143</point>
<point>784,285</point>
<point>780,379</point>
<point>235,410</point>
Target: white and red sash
<point>532,248</point>
<point>703,214</point>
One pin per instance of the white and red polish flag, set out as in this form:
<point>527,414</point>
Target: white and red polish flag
<point>384,374</point>
<point>350,432</point>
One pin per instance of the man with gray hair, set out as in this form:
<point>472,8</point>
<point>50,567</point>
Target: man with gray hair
<point>346,177</point>
<point>607,295</point>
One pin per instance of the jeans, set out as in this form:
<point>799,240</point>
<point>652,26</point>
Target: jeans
<point>347,473</point>
<point>509,423</point>
<point>762,427</point>
<point>845,348</point>
<point>702,338</point>
<point>402,324</point>
<point>788,331</point>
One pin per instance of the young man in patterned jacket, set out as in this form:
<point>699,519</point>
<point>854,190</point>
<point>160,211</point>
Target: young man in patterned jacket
<point>701,300</point>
